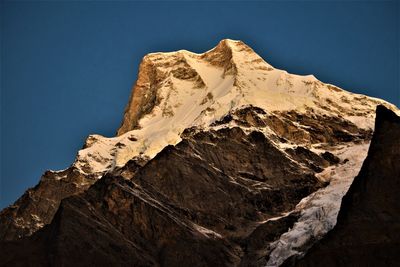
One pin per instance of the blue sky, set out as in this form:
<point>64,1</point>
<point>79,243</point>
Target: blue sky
<point>67,67</point>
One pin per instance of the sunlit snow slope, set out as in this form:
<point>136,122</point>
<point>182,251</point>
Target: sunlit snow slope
<point>181,89</point>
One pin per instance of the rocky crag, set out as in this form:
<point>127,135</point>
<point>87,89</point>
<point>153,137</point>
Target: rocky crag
<point>367,232</point>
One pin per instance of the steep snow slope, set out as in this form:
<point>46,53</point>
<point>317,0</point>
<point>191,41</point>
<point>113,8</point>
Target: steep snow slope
<point>181,89</point>
<point>319,210</point>
<point>367,232</point>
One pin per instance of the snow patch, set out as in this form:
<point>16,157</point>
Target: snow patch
<point>319,210</point>
<point>206,232</point>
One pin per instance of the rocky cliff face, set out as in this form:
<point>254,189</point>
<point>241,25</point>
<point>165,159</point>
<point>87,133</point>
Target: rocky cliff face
<point>221,159</point>
<point>368,225</point>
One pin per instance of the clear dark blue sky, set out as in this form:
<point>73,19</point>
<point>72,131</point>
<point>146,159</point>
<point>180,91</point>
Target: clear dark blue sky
<point>67,67</point>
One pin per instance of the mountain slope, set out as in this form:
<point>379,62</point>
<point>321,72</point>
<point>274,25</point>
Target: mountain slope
<point>223,146</point>
<point>368,228</point>
<point>178,208</point>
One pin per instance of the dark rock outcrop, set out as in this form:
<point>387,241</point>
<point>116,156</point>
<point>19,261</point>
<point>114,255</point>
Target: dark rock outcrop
<point>37,206</point>
<point>203,202</point>
<point>368,225</point>
<point>299,128</point>
<point>115,223</point>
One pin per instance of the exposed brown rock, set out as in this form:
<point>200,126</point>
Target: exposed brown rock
<point>320,129</point>
<point>256,246</point>
<point>309,158</point>
<point>143,96</point>
<point>228,178</point>
<point>221,56</point>
<point>39,204</point>
<point>299,128</point>
<point>199,203</point>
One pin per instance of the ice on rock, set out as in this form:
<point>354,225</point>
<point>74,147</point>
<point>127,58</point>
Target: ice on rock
<point>319,210</point>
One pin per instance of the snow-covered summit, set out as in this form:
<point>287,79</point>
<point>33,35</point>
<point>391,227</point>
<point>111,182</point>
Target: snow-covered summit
<point>177,90</point>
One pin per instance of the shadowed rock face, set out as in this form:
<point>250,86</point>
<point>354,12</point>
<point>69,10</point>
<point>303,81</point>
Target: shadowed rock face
<point>39,204</point>
<point>228,179</point>
<point>204,202</point>
<point>299,128</point>
<point>368,226</point>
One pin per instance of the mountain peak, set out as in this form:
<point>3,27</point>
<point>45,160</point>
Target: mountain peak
<point>161,68</point>
<point>228,89</point>
<point>234,73</point>
<point>178,90</point>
